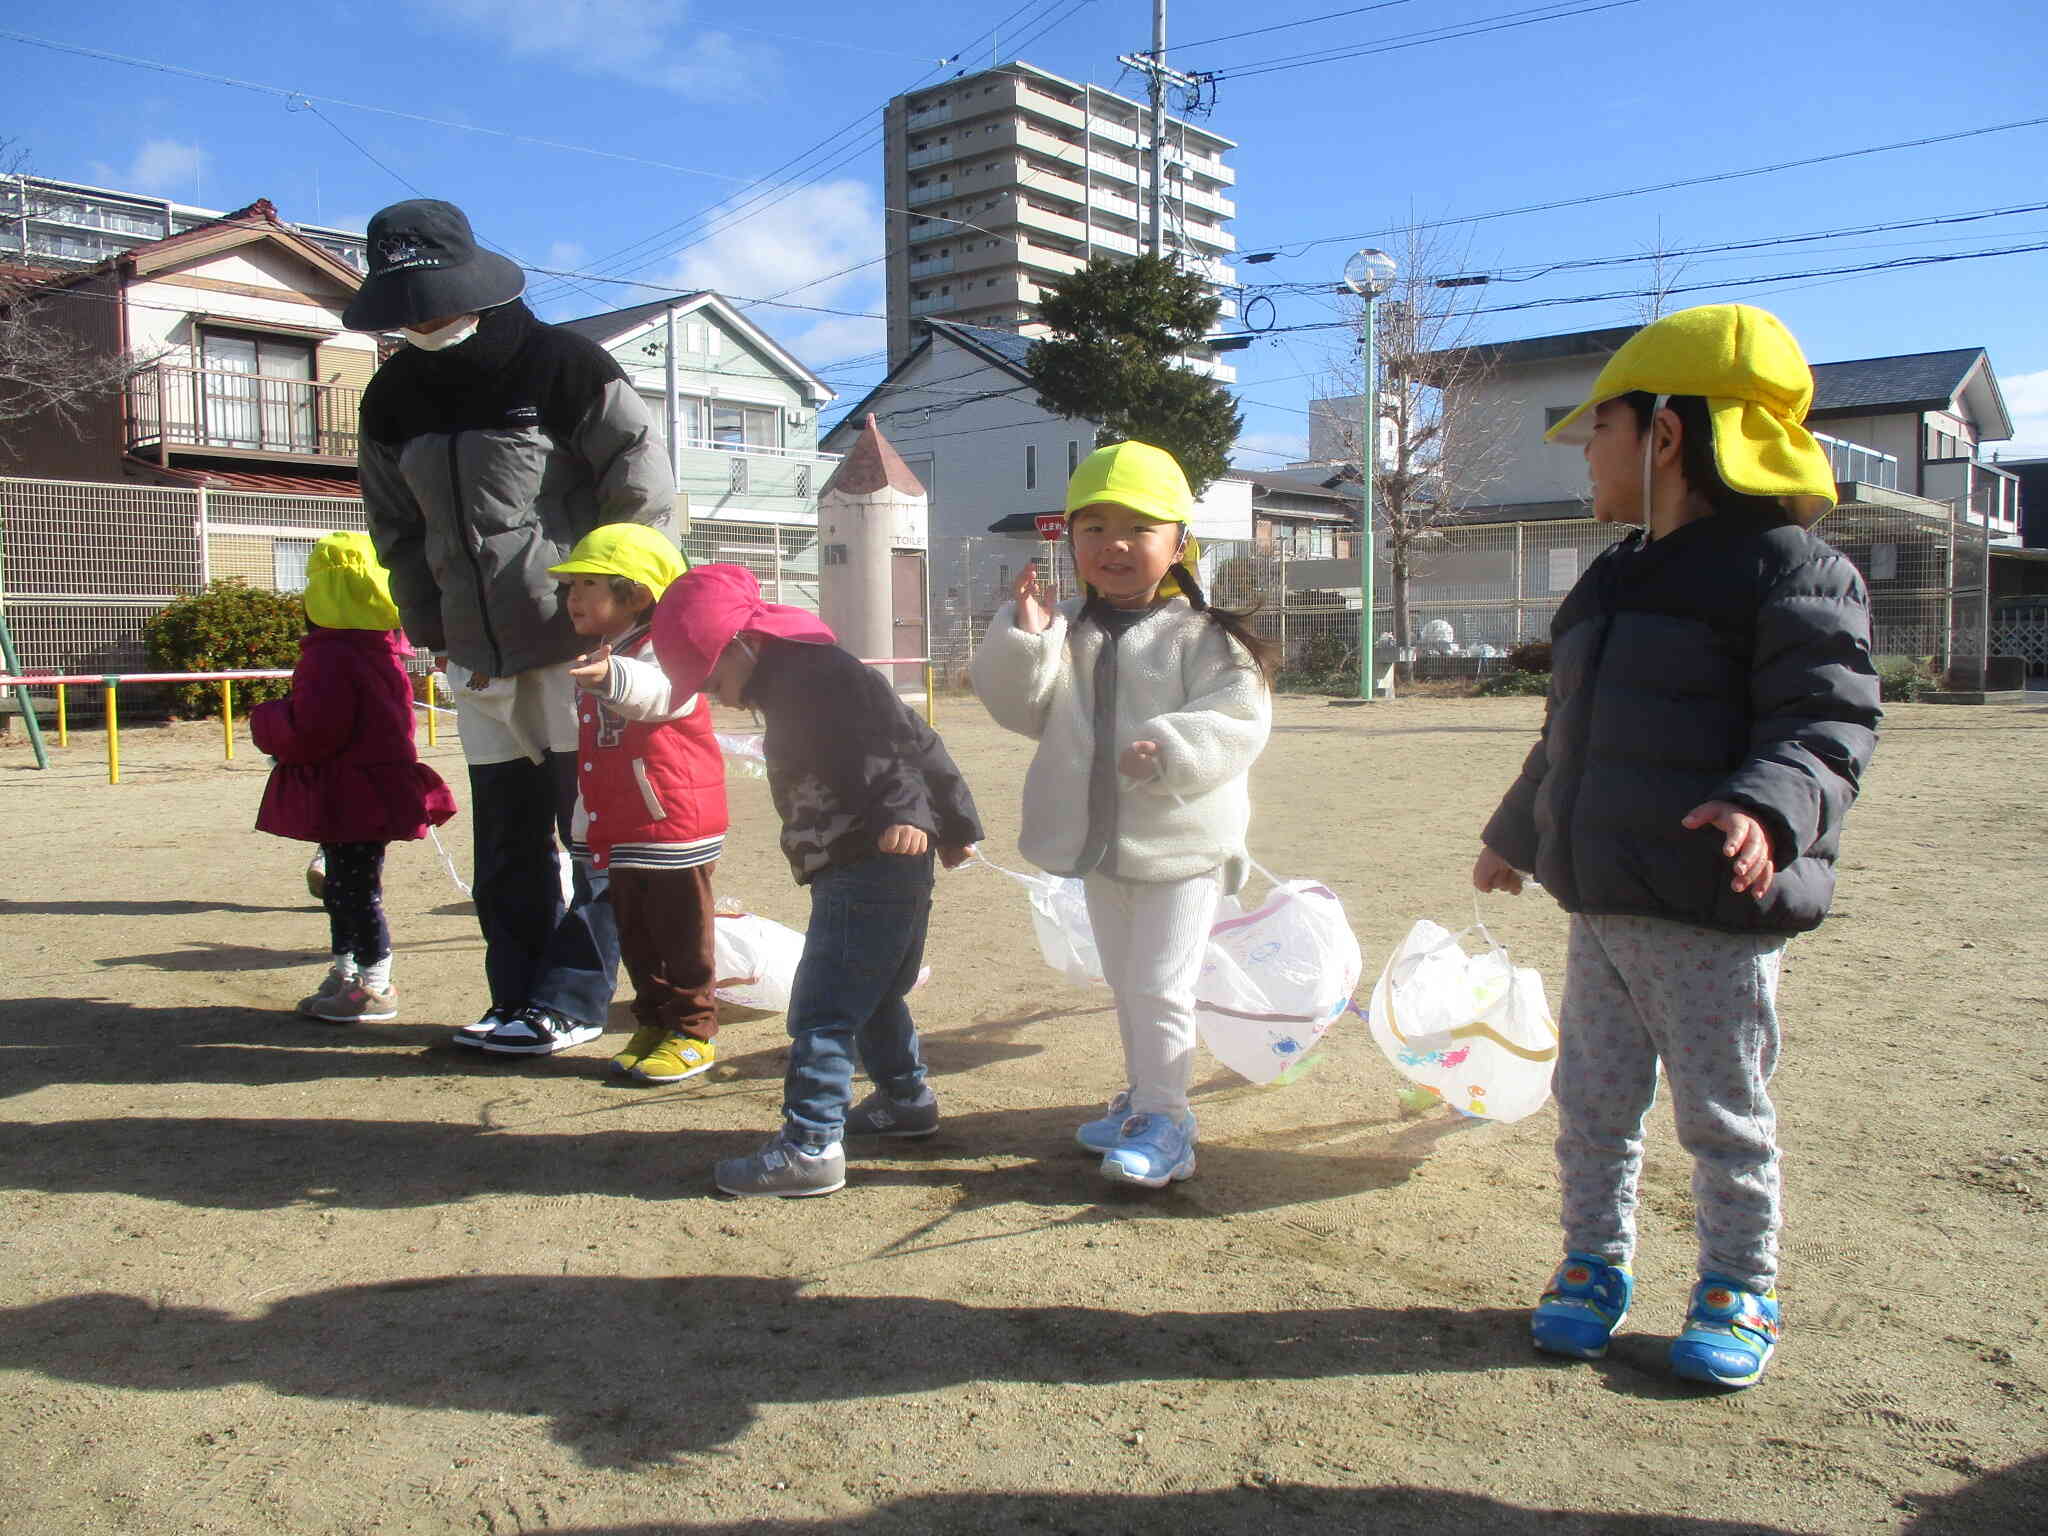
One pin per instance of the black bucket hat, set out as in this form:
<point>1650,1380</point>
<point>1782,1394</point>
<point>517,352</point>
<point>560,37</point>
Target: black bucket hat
<point>425,264</point>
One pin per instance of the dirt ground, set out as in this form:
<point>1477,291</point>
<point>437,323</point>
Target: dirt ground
<point>263,1275</point>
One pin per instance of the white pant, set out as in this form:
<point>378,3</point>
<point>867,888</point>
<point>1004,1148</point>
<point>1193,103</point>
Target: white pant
<point>1152,938</point>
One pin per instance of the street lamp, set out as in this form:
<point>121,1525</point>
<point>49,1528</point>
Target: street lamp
<point>1368,274</point>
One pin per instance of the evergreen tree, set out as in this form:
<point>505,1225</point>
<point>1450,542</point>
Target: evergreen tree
<point>1118,328</point>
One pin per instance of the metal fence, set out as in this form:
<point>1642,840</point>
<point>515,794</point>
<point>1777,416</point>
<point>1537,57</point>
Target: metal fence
<point>1473,591</point>
<point>85,564</point>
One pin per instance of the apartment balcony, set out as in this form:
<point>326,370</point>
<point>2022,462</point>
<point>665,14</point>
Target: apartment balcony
<point>930,266</point>
<point>1017,212</point>
<point>1110,240</point>
<point>716,474</point>
<point>208,411</point>
<point>931,155</point>
<point>1209,368</point>
<point>918,196</point>
<point>1203,235</point>
<point>1105,201</point>
<point>937,304</point>
<point>931,229</point>
<point>1205,166</point>
<point>928,117</point>
<point>1109,131</point>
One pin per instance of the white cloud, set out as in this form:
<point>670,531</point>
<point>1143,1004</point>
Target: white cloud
<point>163,166</point>
<point>1259,449</point>
<point>648,42</point>
<point>569,254</point>
<point>2026,396</point>
<point>836,337</point>
<point>795,241</point>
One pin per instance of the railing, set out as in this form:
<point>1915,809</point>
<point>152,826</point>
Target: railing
<point>711,473</point>
<point>170,407</point>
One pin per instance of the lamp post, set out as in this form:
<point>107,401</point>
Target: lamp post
<point>1369,273</point>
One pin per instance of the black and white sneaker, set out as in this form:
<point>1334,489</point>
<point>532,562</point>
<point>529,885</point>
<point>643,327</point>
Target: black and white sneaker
<point>494,1019</point>
<point>539,1031</point>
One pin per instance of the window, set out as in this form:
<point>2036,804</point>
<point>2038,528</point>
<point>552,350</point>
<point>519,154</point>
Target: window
<point>833,554</point>
<point>288,564</point>
<point>1073,455</point>
<point>256,391</point>
<point>745,426</point>
<point>1030,468</point>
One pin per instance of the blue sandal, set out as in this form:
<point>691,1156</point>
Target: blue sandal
<point>1729,1334</point>
<point>1587,1300</point>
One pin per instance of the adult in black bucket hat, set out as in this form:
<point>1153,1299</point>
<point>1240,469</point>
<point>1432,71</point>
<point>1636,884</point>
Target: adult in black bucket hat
<point>491,443</point>
<point>425,265</point>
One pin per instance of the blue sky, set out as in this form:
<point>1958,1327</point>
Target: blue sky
<point>720,95</point>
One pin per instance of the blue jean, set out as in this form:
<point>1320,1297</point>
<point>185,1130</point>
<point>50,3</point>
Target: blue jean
<point>861,956</point>
<point>535,950</point>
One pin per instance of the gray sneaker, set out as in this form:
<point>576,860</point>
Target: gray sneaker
<point>780,1168</point>
<point>880,1115</point>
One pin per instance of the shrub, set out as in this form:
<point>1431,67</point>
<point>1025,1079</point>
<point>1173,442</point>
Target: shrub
<point>1902,679</point>
<point>1529,656</point>
<point>228,627</point>
<point>1518,682</point>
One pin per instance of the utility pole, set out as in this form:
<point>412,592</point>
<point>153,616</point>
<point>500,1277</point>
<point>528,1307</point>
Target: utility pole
<point>1153,66</point>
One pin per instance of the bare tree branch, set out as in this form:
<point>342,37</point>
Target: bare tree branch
<point>1437,455</point>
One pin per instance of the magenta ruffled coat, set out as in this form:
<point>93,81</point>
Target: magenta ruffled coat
<point>347,770</point>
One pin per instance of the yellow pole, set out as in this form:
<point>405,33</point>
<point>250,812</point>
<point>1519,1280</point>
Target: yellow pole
<point>433,727</point>
<point>227,716</point>
<point>113,730</point>
<point>931,695</point>
<point>63,721</point>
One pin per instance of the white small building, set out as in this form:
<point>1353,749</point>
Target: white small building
<point>963,413</point>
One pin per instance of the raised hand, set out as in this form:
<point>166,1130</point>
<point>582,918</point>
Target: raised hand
<point>1032,614</point>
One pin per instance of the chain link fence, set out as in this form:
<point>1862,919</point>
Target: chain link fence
<point>1473,591</point>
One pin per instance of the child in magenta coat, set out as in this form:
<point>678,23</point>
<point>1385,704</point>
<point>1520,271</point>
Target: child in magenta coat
<point>347,774</point>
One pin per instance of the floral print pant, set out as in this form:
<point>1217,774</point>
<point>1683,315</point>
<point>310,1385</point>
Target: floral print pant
<point>1639,990</point>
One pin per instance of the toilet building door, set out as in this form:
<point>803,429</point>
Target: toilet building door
<point>906,604</point>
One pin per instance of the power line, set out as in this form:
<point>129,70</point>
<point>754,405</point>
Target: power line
<point>1295,248</point>
<point>1507,21</point>
<point>1282,26</point>
<point>290,96</point>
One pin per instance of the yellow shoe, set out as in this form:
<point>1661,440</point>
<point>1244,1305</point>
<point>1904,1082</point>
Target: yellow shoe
<point>645,1039</point>
<point>676,1058</point>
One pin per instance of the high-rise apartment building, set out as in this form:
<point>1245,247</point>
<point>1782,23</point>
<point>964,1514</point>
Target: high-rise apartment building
<point>998,182</point>
<point>67,224</point>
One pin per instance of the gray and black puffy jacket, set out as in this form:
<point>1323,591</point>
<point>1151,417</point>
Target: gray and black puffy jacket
<point>483,465</point>
<point>1728,660</point>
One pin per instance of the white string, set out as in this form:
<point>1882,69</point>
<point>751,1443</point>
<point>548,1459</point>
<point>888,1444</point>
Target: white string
<point>447,863</point>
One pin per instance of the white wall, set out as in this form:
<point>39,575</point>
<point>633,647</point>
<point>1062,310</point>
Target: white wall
<point>158,311</point>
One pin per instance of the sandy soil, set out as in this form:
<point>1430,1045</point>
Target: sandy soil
<point>266,1276</point>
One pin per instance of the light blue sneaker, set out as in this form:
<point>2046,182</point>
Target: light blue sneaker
<point>1098,1136</point>
<point>1587,1300</point>
<point>1152,1150</point>
<point>1729,1334</point>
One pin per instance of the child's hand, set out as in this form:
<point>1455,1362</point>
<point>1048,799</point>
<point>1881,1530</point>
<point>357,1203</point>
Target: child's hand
<point>953,855</point>
<point>1032,615</point>
<point>1140,760</point>
<point>1491,872</point>
<point>903,839</point>
<point>1748,846</point>
<point>593,669</point>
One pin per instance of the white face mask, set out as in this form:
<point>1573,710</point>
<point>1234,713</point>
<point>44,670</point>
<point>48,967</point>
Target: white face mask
<point>451,335</point>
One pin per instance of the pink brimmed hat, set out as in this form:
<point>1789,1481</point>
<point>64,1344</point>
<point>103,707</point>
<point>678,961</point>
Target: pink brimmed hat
<point>705,607</point>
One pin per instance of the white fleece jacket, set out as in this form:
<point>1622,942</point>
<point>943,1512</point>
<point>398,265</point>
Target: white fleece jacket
<point>1180,682</point>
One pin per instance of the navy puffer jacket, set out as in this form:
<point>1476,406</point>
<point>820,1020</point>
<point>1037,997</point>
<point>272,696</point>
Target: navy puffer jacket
<point>1728,660</point>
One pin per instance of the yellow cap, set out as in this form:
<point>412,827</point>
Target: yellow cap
<point>1148,481</point>
<point>345,586</point>
<point>1757,386</point>
<point>633,550</point>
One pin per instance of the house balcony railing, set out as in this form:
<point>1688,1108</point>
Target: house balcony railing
<point>714,473</point>
<point>219,412</point>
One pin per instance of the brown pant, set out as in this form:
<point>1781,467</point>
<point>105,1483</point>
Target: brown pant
<point>665,918</point>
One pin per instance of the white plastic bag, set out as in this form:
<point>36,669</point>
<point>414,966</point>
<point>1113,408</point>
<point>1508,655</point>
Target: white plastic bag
<point>743,753</point>
<point>1475,1030</point>
<point>755,960</point>
<point>1273,980</point>
<point>1276,978</point>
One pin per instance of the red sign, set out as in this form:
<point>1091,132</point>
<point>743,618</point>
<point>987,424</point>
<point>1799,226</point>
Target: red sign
<point>1052,526</point>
